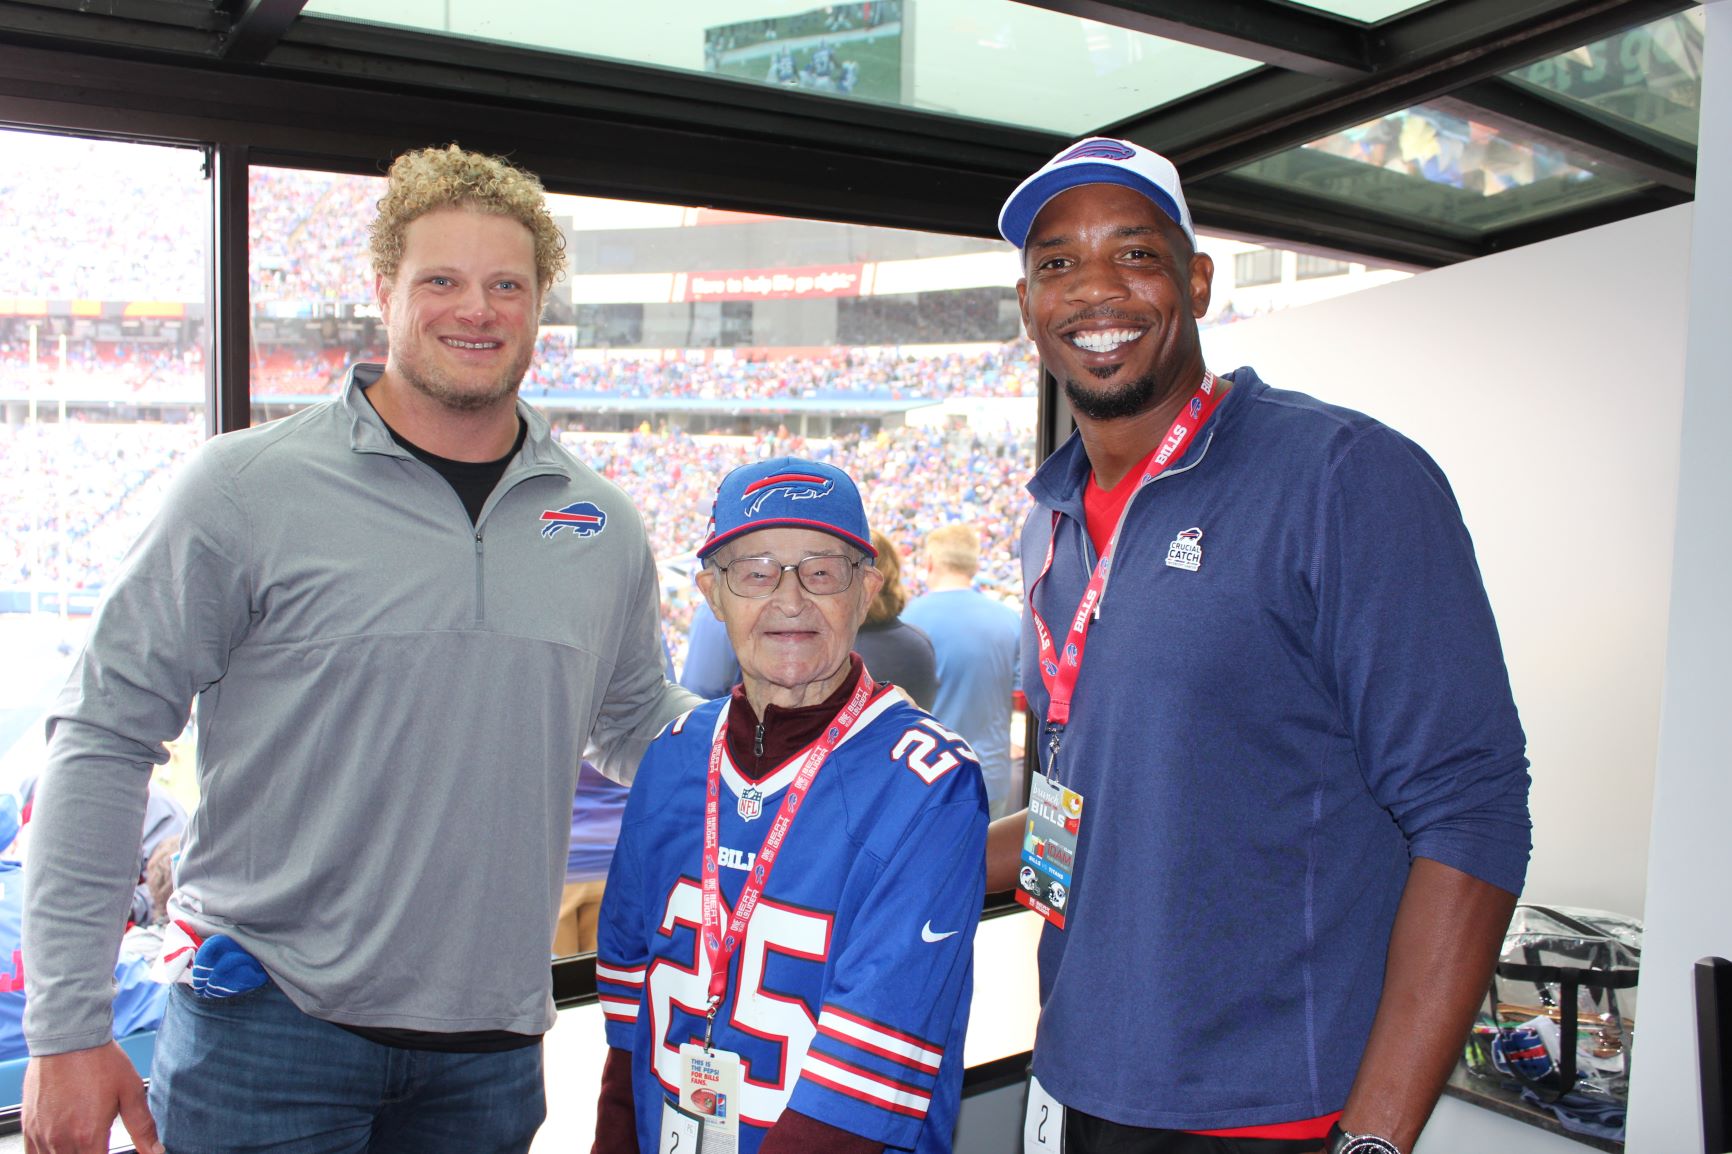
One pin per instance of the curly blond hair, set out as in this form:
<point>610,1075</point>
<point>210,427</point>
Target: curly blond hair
<point>428,179</point>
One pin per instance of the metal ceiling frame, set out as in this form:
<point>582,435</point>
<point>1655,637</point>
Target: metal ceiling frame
<point>260,74</point>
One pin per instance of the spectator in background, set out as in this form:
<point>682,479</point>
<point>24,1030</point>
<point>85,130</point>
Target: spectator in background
<point>144,940</point>
<point>595,813</point>
<point>138,1001</point>
<point>711,668</point>
<point>894,650</point>
<point>596,808</point>
<point>974,639</point>
<point>164,818</point>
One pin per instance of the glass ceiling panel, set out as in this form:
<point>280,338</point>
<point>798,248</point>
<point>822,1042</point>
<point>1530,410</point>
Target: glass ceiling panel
<point>1426,165</point>
<point>1369,11</point>
<point>992,60</point>
<point>1650,76</point>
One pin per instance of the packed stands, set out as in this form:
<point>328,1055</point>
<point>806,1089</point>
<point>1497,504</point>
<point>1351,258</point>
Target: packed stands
<point>75,496</point>
<point>913,479</point>
<point>102,220</point>
<point>1007,370</point>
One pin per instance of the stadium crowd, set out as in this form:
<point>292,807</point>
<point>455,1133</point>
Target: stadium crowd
<point>112,369</point>
<point>100,370</point>
<point>308,233</point>
<point>1007,370</point>
<point>89,232</point>
<point>913,479</point>
<point>75,496</point>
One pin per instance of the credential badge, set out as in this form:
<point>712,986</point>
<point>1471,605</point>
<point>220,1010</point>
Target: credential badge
<point>751,804</point>
<point>1186,551</point>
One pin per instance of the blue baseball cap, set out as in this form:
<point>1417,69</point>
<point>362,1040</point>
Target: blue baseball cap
<point>791,493</point>
<point>1097,160</point>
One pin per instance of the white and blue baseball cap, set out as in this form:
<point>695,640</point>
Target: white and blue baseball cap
<point>1097,160</point>
<point>791,493</point>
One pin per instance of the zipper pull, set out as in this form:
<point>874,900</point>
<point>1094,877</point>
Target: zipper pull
<point>758,741</point>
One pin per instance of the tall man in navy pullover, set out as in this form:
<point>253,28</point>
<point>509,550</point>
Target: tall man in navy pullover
<point>1303,792</point>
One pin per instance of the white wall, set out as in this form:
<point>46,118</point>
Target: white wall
<point>1689,898</point>
<point>1547,382</point>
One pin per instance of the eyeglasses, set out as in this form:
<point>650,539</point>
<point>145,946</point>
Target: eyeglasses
<point>758,577</point>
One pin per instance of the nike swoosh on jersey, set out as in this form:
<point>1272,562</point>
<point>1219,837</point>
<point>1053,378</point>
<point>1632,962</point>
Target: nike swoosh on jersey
<point>927,934</point>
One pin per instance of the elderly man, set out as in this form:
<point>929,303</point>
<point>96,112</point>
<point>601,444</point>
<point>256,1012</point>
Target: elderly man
<point>786,941</point>
<point>1282,817</point>
<point>403,613</point>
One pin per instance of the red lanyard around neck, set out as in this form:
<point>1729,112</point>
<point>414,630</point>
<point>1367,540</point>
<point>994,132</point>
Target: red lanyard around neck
<point>1060,671</point>
<point>720,947</point>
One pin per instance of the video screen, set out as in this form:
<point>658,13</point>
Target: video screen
<point>843,49</point>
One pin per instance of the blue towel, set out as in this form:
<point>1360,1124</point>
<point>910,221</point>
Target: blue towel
<point>222,969</point>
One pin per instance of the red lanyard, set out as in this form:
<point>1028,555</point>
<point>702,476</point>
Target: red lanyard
<point>1060,672</point>
<point>718,948</point>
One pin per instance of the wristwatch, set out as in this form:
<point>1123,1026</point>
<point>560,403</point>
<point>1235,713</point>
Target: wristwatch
<point>1341,1142</point>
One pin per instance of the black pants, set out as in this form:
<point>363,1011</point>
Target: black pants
<point>1086,1134</point>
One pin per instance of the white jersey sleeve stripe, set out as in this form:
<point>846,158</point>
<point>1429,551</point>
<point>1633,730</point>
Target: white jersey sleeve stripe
<point>624,977</point>
<point>885,1043</point>
<point>619,1009</point>
<point>865,1087</point>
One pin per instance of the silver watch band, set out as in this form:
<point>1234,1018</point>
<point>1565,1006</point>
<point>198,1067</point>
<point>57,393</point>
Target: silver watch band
<point>1345,1143</point>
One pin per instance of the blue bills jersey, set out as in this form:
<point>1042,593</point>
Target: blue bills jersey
<point>848,999</point>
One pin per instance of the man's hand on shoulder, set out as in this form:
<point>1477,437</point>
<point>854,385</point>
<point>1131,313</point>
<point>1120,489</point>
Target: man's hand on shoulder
<point>71,1100</point>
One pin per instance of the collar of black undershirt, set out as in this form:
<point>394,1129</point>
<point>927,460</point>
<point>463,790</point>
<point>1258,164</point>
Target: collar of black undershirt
<point>786,731</point>
<point>473,481</point>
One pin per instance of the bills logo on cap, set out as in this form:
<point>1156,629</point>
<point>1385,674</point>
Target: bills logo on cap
<point>1098,150</point>
<point>583,518</point>
<point>793,486</point>
<point>1186,551</point>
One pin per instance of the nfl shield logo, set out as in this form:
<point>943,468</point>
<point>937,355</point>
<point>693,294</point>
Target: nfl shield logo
<point>751,804</point>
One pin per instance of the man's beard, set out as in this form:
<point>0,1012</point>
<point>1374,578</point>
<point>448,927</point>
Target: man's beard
<point>441,388</point>
<point>1133,397</point>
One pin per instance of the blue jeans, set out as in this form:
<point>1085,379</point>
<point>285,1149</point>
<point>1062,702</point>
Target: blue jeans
<point>253,1073</point>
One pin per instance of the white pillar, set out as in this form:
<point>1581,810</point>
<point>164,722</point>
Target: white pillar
<point>1689,903</point>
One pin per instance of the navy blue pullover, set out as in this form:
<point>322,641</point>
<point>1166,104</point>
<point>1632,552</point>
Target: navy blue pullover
<point>1263,745</point>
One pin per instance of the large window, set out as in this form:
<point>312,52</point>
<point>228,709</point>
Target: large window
<point>102,378</point>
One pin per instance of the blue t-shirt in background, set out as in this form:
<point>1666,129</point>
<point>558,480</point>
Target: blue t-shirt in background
<point>974,639</point>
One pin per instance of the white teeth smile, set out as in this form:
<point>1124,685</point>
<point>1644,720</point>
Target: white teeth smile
<point>457,344</point>
<point>1105,341</point>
